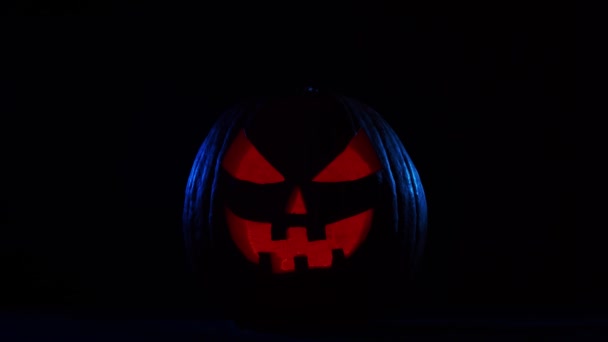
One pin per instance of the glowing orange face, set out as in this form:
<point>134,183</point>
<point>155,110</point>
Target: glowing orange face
<point>300,243</point>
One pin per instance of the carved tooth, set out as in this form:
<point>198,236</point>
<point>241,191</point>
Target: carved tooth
<point>278,231</point>
<point>265,262</point>
<point>316,233</point>
<point>337,257</point>
<point>301,263</point>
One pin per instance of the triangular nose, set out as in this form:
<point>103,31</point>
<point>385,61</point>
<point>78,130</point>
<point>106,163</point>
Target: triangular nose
<point>295,204</point>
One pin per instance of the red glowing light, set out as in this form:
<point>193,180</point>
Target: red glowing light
<point>243,161</point>
<point>358,160</point>
<point>295,204</point>
<point>254,237</point>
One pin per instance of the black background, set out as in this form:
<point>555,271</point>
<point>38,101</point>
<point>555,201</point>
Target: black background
<point>106,111</point>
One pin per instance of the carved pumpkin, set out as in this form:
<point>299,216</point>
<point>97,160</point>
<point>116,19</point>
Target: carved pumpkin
<point>303,185</point>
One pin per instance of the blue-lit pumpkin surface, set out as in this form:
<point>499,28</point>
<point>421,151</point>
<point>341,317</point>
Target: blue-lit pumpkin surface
<point>301,186</point>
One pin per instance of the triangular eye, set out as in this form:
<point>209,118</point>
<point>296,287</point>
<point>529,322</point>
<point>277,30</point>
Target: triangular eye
<point>243,161</point>
<point>358,160</point>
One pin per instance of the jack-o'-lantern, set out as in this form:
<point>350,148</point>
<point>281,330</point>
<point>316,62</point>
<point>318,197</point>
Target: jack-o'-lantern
<point>302,187</point>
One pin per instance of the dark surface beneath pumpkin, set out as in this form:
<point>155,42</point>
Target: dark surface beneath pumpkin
<point>66,327</point>
<point>110,118</point>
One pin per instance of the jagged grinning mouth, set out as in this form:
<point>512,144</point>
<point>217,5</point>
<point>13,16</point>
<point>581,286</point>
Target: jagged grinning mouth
<point>253,237</point>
